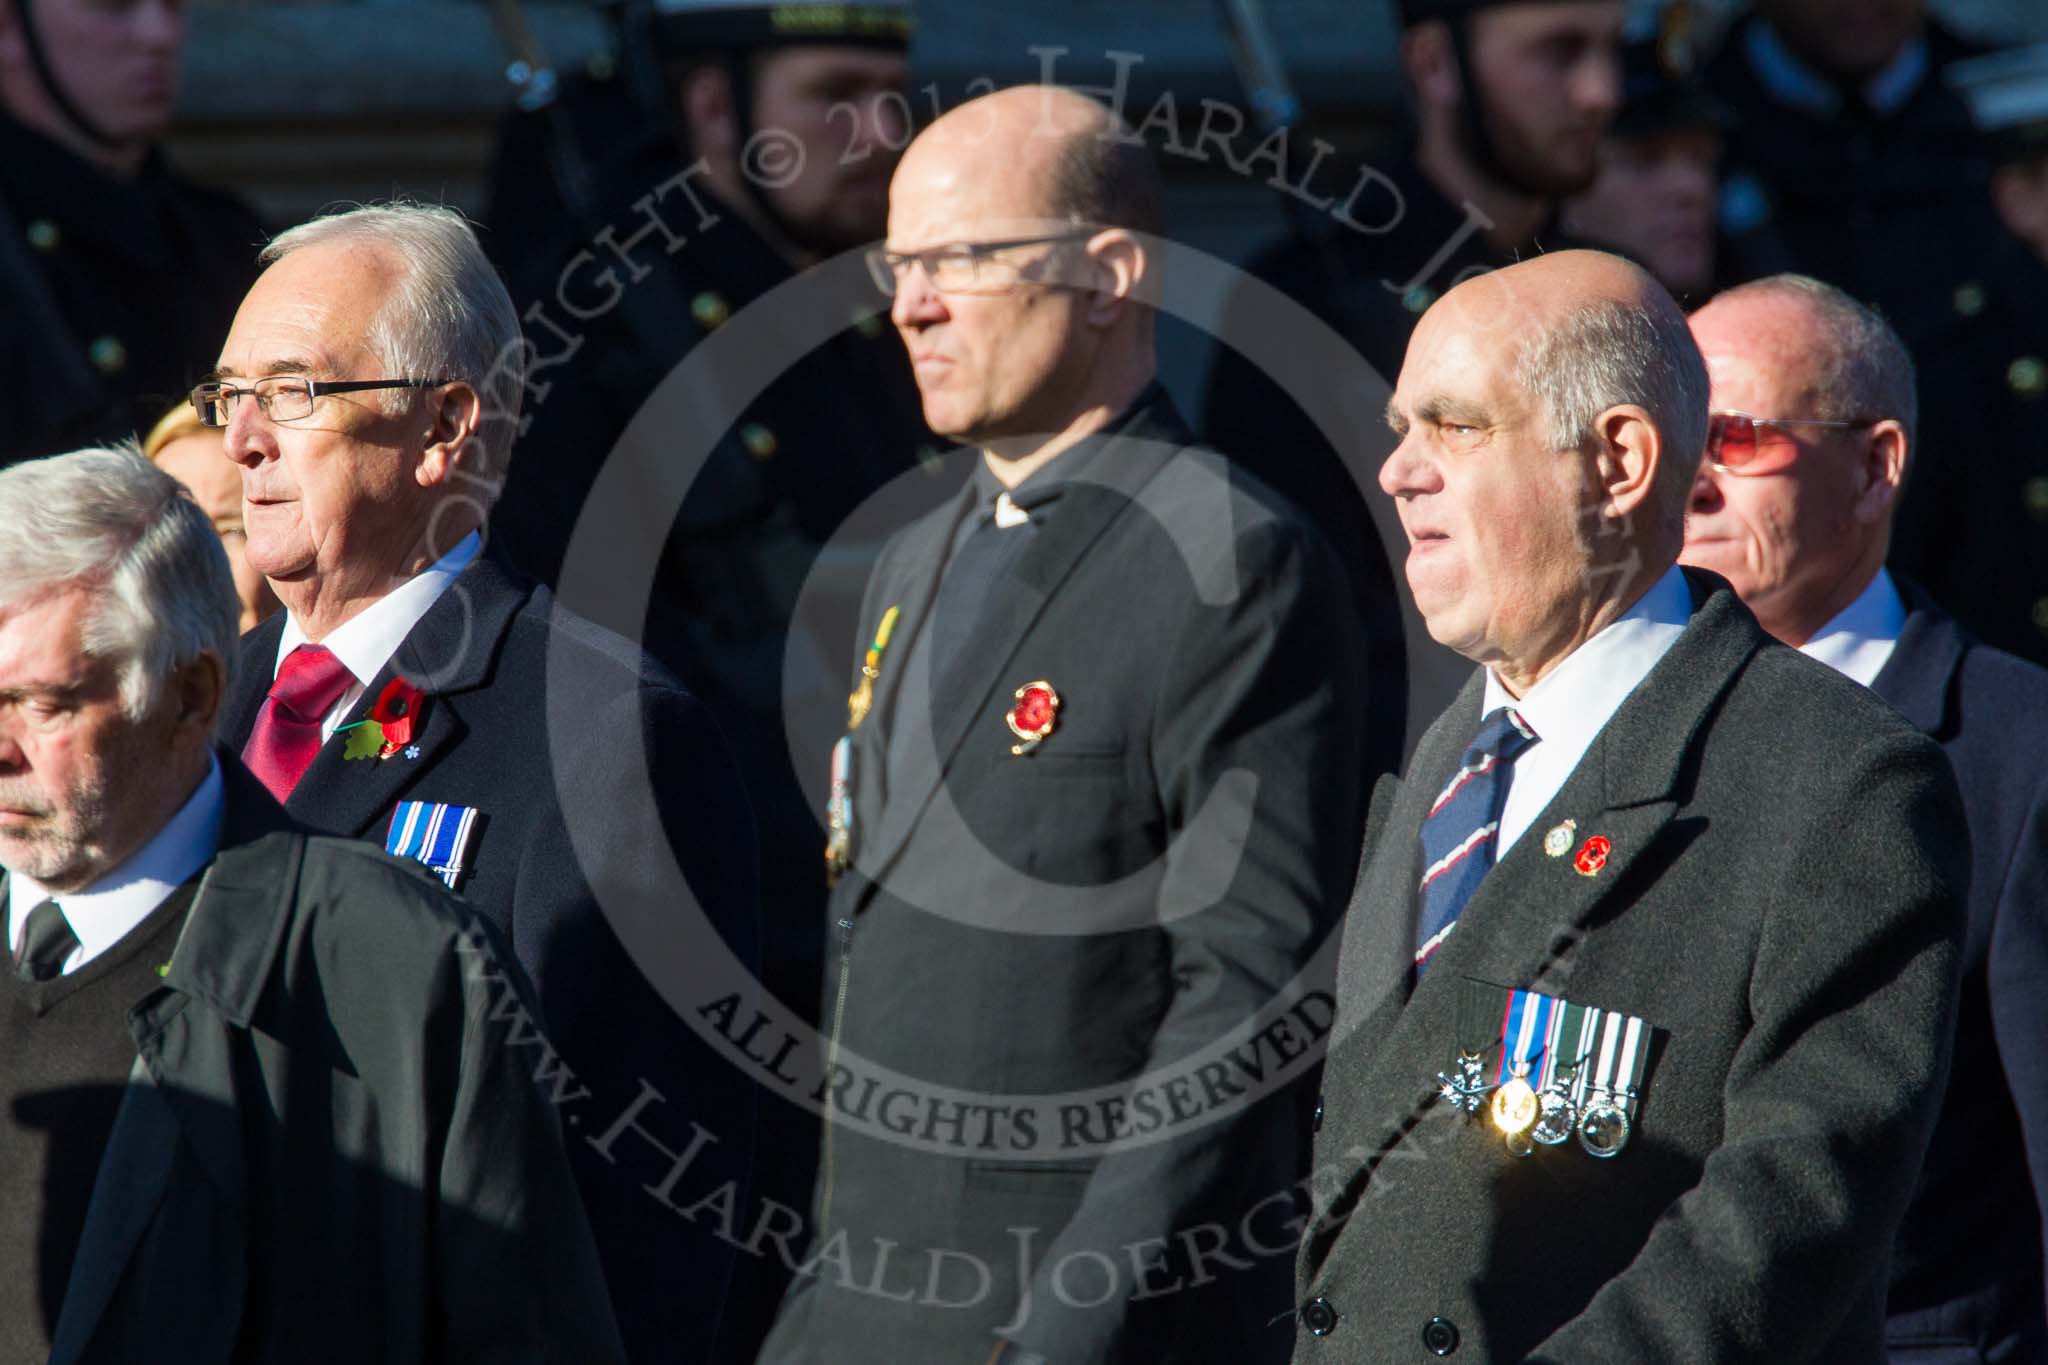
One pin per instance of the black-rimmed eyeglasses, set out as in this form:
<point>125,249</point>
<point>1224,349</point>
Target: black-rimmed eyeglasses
<point>285,397</point>
<point>963,267</point>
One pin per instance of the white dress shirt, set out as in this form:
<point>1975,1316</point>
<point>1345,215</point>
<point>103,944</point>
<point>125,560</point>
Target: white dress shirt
<point>1861,638</point>
<point>103,913</point>
<point>1576,699</point>
<point>366,642</point>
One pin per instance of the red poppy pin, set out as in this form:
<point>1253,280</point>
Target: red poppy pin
<point>389,726</point>
<point>1592,855</point>
<point>1034,715</point>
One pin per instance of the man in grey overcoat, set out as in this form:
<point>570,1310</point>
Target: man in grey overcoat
<point>1648,980</point>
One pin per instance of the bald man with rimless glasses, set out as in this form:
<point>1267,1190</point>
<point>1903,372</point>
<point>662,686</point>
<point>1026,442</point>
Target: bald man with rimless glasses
<point>1794,506</point>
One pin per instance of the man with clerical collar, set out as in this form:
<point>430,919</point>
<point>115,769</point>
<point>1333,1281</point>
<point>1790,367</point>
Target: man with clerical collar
<point>419,692</point>
<point>1099,791</point>
<point>1647,982</point>
<point>265,1097</point>
<point>1815,412</point>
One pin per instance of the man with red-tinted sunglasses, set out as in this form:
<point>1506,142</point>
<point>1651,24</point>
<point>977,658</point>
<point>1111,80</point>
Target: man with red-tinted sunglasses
<point>1813,419</point>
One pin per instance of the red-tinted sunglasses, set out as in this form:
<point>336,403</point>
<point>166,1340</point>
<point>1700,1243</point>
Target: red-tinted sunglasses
<point>1738,443</point>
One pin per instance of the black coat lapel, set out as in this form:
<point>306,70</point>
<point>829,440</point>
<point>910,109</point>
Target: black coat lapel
<point>451,651</point>
<point>961,692</point>
<point>255,670</point>
<point>1919,678</point>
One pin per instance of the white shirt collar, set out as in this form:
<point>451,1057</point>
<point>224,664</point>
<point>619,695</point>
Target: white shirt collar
<point>365,642</point>
<point>1576,699</point>
<point>1860,640</point>
<point>103,913</point>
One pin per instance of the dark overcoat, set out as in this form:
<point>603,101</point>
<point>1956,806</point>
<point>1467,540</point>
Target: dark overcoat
<point>566,852</point>
<point>1967,1270</point>
<point>1068,925</point>
<point>331,1147</point>
<point>1781,901</point>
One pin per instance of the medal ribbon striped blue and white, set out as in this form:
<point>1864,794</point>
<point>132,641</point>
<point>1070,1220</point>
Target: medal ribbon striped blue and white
<point>435,833</point>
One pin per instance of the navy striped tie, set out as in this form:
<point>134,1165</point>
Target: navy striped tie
<point>1460,832</point>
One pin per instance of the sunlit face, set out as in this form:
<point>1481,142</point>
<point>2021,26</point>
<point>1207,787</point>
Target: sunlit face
<point>199,461</point>
<point>845,107</point>
<point>117,60</point>
<point>1549,76</point>
<point>1654,203</point>
<point>1496,559</point>
<point>988,365</point>
<point>338,488</point>
<point>1789,538</point>
<point>77,776</point>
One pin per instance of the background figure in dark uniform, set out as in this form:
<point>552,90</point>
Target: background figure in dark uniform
<point>1854,151</point>
<point>117,276</point>
<point>1510,102</point>
<point>1655,198</point>
<point>765,146</point>
<point>740,81</point>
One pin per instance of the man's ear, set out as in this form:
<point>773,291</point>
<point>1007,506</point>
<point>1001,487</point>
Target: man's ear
<point>1881,472</point>
<point>705,96</point>
<point>1628,452</point>
<point>1431,65</point>
<point>454,413</point>
<point>1121,271</point>
<point>196,692</point>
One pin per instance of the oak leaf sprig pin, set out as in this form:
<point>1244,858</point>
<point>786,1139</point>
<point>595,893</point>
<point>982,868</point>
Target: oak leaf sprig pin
<point>389,726</point>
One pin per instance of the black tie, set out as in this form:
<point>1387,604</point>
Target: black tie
<point>46,942</point>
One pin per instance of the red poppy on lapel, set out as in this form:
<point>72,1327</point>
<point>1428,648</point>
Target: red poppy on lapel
<point>390,724</point>
<point>1592,855</point>
<point>1034,715</point>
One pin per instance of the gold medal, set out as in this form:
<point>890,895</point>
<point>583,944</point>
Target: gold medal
<point>862,699</point>
<point>1515,1106</point>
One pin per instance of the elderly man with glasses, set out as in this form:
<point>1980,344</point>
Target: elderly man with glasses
<point>1794,507</point>
<point>419,692</point>
<point>1096,807</point>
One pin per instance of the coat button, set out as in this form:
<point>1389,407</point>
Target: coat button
<point>1318,1317</point>
<point>1316,1124</point>
<point>1440,1336</point>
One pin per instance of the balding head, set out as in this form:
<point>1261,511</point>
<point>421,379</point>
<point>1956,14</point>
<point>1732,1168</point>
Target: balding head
<point>1552,415</point>
<point>1025,346</point>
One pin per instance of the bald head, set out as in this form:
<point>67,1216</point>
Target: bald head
<point>1551,417</point>
<point>1043,151</point>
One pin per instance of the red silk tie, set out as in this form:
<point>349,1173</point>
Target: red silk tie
<point>287,733</point>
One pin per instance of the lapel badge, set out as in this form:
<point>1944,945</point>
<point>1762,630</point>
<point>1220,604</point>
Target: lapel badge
<point>1033,717</point>
<point>1558,842</point>
<point>1592,855</point>
<point>389,726</point>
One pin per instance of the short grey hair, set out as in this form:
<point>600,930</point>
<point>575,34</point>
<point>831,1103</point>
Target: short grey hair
<point>1864,373</point>
<point>108,520</point>
<point>1605,353</point>
<point>448,317</point>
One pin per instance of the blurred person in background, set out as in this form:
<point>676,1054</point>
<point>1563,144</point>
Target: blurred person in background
<point>195,455</point>
<point>1510,100</point>
<point>1853,158</point>
<point>1654,200</point>
<point>118,277</point>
